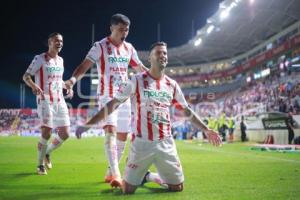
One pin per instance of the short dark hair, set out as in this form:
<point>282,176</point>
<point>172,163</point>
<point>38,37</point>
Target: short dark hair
<point>119,18</point>
<point>51,35</point>
<point>158,44</point>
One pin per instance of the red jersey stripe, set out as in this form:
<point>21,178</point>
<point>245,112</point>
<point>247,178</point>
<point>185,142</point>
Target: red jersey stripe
<point>177,104</point>
<point>42,78</point>
<point>149,125</point>
<point>168,125</point>
<point>50,92</point>
<point>102,70</point>
<point>161,130</point>
<point>111,91</point>
<point>138,100</point>
<point>157,84</point>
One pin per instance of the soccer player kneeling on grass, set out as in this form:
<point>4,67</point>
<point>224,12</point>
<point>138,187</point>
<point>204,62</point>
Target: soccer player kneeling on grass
<point>152,93</point>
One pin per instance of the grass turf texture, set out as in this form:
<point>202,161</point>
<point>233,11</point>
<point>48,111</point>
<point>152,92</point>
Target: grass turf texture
<point>230,172</point>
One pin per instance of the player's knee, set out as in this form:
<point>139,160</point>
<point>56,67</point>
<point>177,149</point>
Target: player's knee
<point>175,188</point>
<point>122,136</point>
<point>128,188</point>
<point>63,132</point>
<point>46,132</point>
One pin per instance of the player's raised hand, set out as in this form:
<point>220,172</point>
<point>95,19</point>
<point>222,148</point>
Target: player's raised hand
<point>80,130</point>
<point>213,137</point>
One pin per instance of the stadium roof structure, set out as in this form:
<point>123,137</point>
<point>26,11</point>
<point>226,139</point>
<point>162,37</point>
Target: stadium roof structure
<point>237,27</point>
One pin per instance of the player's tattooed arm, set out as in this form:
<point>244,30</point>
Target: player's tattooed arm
<point>35,88</point>
<point>195,118</point>
<point>212,136</point>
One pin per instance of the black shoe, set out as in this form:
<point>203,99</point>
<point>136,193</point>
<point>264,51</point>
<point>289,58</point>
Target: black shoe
<point>41,170</point>
<point>145,178</point>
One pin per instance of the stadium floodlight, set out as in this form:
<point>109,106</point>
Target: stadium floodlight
<point>95,81</point>
<point>248,79</point>
<point>224,14</point>
<point>210,29</point>
<point>198,42</point>
<point>222,5</point>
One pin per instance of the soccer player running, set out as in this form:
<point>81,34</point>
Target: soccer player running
<point>152,93</point>
<point>48,68</point>
<point>112,56</point>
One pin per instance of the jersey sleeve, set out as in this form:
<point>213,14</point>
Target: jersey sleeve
<point>178,98</point>
<point>94,53</point>
<point>126,89</point>
<point>134,60</point>
<point>35,65</point>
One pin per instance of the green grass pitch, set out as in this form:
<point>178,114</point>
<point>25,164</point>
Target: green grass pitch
<point>230,172</point>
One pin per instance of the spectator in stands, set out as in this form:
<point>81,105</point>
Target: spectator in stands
<point>222,126</point>
<point>231,125</point>
<point>290,125</point>
<point>243,130</point>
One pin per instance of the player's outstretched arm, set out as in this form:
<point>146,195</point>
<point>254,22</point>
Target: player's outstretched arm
<point>213,137</point>
<point>78,73</point>
<point>101,115</point>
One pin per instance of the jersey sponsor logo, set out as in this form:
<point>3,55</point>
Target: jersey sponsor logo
<point>118,69</point>
<point>113,60</point>
<point>51,69</point>
<point>157,94</point>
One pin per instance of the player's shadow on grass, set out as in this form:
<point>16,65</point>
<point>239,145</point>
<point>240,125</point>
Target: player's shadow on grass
<point>155,189</point>
<point>22,175</point>
<point>118,191</point>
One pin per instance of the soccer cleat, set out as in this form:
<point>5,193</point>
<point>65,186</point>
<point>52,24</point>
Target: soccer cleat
<point>47,161</point>
<point>108,179</point>
<point>116,182</point>
<point>145,178</point>
<point>108,176</point>
<point>41,170</point>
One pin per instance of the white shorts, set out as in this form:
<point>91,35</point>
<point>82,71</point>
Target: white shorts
<point>53,115</point>
<point>162,154</point>
<point>120,118</point>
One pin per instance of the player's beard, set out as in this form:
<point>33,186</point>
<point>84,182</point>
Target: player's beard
<point>123,39</point>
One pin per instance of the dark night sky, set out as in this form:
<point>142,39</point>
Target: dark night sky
<point>26,24</point>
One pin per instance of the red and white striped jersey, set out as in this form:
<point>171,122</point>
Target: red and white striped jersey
<point>112,64</point>
<point>48,73</point>
<point>151,100</point>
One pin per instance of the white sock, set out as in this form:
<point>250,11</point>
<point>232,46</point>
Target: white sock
<point>120,148</point>
<point>111,154</point>
<point>42,146</point>
<point>56,142</point>
<point>154,177</point>
<point>120,151</point>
